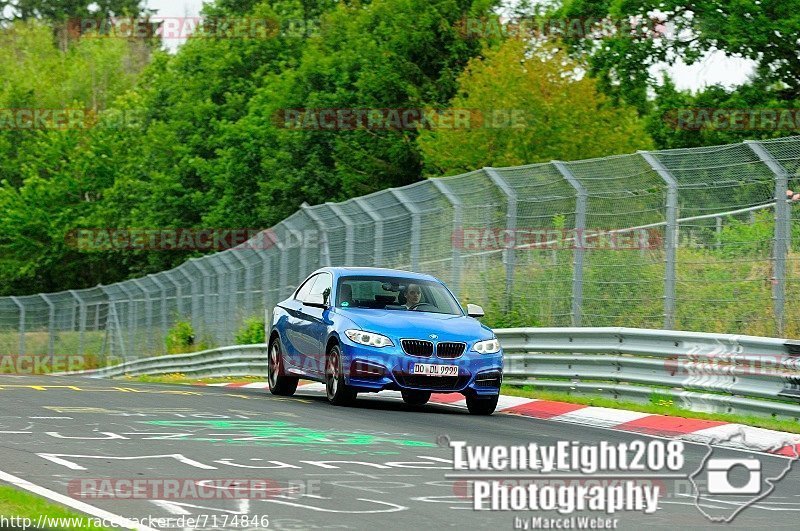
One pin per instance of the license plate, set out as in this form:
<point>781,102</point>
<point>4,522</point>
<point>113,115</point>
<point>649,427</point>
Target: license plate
<point>429,369</point>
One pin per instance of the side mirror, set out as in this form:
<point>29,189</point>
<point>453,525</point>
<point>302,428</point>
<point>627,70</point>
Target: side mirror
<point>473,310</point>
<point>317,300</point>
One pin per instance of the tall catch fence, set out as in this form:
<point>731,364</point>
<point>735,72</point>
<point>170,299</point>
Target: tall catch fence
<point>697,239</point>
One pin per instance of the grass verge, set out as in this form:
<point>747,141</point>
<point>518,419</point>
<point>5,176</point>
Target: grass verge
<point>16,503</point>
<point>661,408</point>
<point>183,379</point>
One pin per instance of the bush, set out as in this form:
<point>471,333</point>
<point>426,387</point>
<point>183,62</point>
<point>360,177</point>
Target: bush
<point>251,332</point>
<point>180,338</point>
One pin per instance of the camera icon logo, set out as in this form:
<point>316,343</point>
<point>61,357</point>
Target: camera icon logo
<point>721,470</point>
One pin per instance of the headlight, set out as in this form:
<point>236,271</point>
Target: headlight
<point>490,346</point>
<point>368,338</point>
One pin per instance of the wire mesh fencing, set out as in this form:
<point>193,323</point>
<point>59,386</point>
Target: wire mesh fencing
<point>702,239</point>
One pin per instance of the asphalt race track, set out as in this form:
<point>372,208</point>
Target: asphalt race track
<point>375,465</point>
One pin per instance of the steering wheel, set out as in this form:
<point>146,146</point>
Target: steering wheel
<point>419,304</point>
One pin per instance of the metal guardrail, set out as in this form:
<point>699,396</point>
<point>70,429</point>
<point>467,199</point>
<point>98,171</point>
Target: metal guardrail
<point>238,360</point>
<point>721,373</point>
<point>715,373</point>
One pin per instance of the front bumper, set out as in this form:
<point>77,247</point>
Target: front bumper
<point>370,369</point>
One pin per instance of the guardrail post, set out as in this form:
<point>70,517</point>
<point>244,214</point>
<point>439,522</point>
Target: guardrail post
<point>581,204</point>
<point>455,202</point>
<point>148,314</point>
<point>324,249</point>
<point>671,239</point>
<point>509,254</point>
<point>163,298</point>
<point>21,325</point>
<point>349,234</point>
<point>416,219</point>
<point>81,320</point>
<point>783,231</point>
<point>378,221</point>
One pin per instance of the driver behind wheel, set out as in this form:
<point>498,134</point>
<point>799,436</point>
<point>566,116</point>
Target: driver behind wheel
<point>413,295</point>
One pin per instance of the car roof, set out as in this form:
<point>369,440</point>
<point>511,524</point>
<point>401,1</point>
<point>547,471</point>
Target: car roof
<point>376,272</point>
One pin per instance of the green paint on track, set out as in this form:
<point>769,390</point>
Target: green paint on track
<point>280,433</point>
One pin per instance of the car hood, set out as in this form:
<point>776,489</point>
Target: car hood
<point>411,324</point>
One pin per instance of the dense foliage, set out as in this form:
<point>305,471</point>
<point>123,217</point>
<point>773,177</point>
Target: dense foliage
<point>199,137</point>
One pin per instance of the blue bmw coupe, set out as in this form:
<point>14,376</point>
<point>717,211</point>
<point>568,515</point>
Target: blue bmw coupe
<point>362,330</point>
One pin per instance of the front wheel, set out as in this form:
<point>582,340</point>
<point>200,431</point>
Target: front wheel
<point>279,383</point>
<point>338,393</point>
<point>482,406</point>
<point>415,398</point>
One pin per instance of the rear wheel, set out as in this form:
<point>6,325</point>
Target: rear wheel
<point>415,398</point>
<point>482,406</point>
<point>339,393</point>
<point>279,383</point>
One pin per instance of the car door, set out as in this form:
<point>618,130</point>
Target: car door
<point>293,339</point>
<point>314,326</point>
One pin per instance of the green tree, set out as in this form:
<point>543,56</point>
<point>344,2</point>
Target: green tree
<point>762,30</point>
<point>682,118</point>
<point>559,114</point>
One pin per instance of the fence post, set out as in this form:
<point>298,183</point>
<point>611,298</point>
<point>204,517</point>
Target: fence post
<point>208,331</point>
<point>324,249</point>
<point>164,326</point>
<point>178,292</point>
<point>783,231</point>
<point>220,315</point>
<point>416,228</point>
<point>131,318</point>
<point>51,325</point>
<point>148,315</point>
<point>81,319</point>
<point>349,234</point>
<point>112,323</point>
<point>378,221</point>
<point>302,265</point>
<point>247,299</point>
<point>233,294</point>
<point>21,325</point>
<point>581,203</point>
<point>455,202</point>
<point>283,273</point>
<point>509,254</point>
<point>266,272</point>
<point>671,240</point>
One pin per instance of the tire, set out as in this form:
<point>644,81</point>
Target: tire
<point>338,393</point>
<point>482,406</point>
<point>416,398</point>
<point>279,383</point>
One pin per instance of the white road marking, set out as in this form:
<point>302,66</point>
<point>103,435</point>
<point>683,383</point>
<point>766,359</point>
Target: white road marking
<point>118,521</point>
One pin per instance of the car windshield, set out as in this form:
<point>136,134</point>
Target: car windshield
<point>395,293</point>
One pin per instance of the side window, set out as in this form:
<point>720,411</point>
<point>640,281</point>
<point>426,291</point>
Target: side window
<point>322,286</point>
<point>305,288</point>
